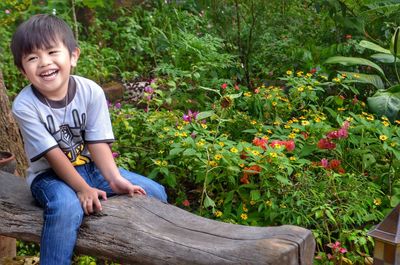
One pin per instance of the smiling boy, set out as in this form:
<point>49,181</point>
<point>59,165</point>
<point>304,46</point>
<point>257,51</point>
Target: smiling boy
<point>65,124</point>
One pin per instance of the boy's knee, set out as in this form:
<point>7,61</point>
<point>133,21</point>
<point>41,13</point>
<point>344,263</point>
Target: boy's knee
<point>68,211</point>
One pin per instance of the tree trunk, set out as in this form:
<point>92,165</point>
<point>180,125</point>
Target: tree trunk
<point>10,140</point>
<point>142,230</point>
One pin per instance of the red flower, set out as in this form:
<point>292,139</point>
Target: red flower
<point>313,70</point>
<point>289,145</point>
<point>237,87</point>
<point>334,163</point>
<point>261,142</point>
<point>348,36</point>
<point>326,144</point>
<point>186,203</point>
<point>224,85</point>
<point>245,179</point>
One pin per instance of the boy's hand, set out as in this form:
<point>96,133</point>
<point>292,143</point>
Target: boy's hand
<point>89,199</point>
<point>123,186</point>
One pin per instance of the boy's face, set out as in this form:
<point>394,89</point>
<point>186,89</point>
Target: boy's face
<point>49,69</point>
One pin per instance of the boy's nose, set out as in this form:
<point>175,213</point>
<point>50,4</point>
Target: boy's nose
<point>45,61</point>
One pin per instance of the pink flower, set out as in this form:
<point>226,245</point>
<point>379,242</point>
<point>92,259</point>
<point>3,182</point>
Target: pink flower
<point>237,87</point>
<point>186,203</point>
<point>149,90</point>
<point>7,11</point>
<point>190,116</point>
<point>115,154</point>
<point>289,145</point>
<point>224,85</point>
<point>343,250</point>
<point>324,162</point>
<point>118,105</point>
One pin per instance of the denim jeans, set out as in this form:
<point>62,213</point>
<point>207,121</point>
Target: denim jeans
<point>63,213</point>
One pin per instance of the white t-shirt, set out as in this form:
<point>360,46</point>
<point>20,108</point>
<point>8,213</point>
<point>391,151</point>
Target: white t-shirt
<point>81,117</point>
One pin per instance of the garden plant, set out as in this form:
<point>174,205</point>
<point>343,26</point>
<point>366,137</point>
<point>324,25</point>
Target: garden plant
<point>247,124</point>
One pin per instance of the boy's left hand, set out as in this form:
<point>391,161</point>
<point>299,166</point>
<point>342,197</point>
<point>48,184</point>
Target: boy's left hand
<point>123,186</point>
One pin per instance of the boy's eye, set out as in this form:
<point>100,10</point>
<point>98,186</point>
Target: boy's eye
<point>31,58</point>
<point>53,52</point>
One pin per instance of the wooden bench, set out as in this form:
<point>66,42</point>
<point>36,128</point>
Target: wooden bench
<point>142,230</point>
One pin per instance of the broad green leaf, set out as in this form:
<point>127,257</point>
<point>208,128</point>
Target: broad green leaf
<point>372,46</point>
<point>395,200</point>
<point>233,96</point>
<point>205,114</point>
<point>347,61</point>
<point>374,80</point>
<point>171,180</point>
<point>384,58</point>
<point>210,89</point>
<point>283,179</point>
<point>385,103</point>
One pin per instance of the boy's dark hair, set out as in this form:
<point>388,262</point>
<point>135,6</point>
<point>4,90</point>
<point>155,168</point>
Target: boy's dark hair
<point>40,32</point>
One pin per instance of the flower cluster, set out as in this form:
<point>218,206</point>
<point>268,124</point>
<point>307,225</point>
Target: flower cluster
<point>333,164</point>
<point>190,116</point>
<point>336,249</point>
<point>327,143</point>
<point>252,170</point>
<point>263,142</point>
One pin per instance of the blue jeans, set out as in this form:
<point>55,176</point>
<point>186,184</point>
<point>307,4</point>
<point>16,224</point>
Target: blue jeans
<point>63,213</point>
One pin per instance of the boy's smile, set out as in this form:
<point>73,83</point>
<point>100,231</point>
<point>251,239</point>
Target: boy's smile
<point>48,69</point>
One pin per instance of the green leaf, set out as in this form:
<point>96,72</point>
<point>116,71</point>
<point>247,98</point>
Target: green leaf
<point>189,152</point>
<point>368,160</point>
<point>255,195</point>
<point>208,202</point>
<point>372,46</point>
<point>384,58</point>
<point>395,200</point>
<point>347,61</point>
<point>171,180</point>
<point>233,96</point>
<point>395,43</point>
<point>374,80</point>
<point>210,89</point>
<point>176,151</point>
<point>205,114</point>
<point>283,179</point>
<point>385,103</point>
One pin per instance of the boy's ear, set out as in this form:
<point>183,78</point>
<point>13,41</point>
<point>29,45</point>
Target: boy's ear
<point>75,56</point>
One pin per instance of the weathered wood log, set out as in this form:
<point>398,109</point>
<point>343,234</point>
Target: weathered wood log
<point>142,230</point>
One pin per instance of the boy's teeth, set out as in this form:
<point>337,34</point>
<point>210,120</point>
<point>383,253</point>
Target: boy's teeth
<point>49,73</point>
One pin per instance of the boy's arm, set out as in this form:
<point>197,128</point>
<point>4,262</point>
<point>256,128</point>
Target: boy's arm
<point>102,157</point>
<point>88,196</point>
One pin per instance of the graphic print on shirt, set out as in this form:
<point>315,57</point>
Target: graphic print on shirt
<point>70,139</point>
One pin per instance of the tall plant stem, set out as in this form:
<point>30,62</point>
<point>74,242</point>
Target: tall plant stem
<point>75,20</point>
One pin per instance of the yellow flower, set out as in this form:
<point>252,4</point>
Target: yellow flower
<point>370,118</point>
<point>213,163</point>
<point>393,144</point>
<point>218,157</point>
<point>243,216</point>
<point>253,122</point>
<point>247,94</point>
<point>179,127</point>
<point>356,75</point>
<point>385,123</point>
<point>305,123</point>
<point>277,123</point>
<point>397,121</point>
<point>277,146</point>
<point>299,73</point>
<point>218,213</point>
<point>234,150</point>
<point>222,144</point>
<point>288,72</point>
<point>377,201</point>
<point>310,88</point>
<point>317,119</point>
<point>341,109</point>
<point>274,103</point>
<point>309,74</point>
<point>283,206</point>
<point>166,129</point>
<point>255,152</point>
<point>161,136</point>
<point>273,154</point>
<point>336,80</point>
<point>292,135</point>
<point>200,143</point>
<point>296,130</point>
<point>383,137</point>
<point>183,134</point>
<point>171,141</point>
<point>241,165</point>
<point>204,126</point>
<point>300,89</point>
<point>265,137</point>
<point>287,126</point>
<point>252,202</point>
<point>164,163</point>
<point>384,118</point>
<point>161,152</point>
<point>268,203</point>
<point>292,158</point>
<point>158,162</point>
<point>269,131</point>
<point>176,134</point>
<point>245,208</point>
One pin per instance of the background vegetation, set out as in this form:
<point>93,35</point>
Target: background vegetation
<point>250,117</point>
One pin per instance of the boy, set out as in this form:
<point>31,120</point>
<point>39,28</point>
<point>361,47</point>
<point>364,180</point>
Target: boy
<point>65,124</point>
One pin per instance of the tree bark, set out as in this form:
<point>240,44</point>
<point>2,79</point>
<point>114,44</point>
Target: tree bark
<point>10,138</point>
<point>142,230</point>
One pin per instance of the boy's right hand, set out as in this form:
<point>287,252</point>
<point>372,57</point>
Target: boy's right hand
<point>89,199</point>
